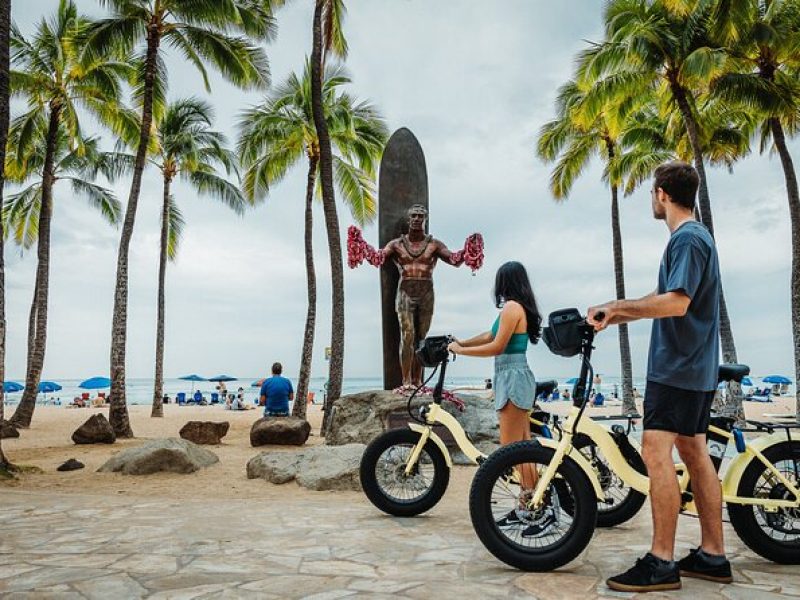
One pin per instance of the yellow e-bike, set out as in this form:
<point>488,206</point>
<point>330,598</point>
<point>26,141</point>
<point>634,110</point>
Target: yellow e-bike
<point>556,516</point>
<point>404,472</point>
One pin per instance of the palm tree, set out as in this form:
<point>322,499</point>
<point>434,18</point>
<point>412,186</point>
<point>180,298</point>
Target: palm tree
<point>663,46</point>
<point>571,140</point>
<point>762,75</point>
<point>201,31</point>
<point>5,68</point>
<point>55,80</point>
<point>279,133</point>
<point>327,37</point>
<point>22,211</point>
<point>187,148</point>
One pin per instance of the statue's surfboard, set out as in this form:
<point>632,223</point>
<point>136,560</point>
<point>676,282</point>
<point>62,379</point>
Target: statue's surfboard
<point>403,182</point>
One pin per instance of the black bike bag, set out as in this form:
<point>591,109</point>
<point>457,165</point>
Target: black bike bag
<point>433,350</point>
<point>563,335</point>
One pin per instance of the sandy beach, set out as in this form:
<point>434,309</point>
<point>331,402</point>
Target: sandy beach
<point>47,444</point>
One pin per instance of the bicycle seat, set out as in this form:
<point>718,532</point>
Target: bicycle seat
<point>732,372</point>
<point>546,387</point>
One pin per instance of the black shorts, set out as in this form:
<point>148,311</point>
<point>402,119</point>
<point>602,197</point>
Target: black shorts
<point>685,412</point>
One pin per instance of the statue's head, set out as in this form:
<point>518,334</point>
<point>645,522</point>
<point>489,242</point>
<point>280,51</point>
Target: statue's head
<point>417,215</point>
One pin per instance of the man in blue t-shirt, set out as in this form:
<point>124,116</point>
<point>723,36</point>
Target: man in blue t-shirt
<point>681,379</point>
<point>276,392</point>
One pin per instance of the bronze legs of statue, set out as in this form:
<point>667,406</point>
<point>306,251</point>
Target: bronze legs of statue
<point>414,306</point>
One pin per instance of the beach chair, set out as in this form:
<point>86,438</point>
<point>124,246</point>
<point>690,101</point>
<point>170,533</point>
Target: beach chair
<point>599,399</point>
<point>214,398</point>
<point>180,398</point>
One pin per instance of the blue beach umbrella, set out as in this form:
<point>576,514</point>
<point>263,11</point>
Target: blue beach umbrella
<point>9,387</point>
<point>572,381</point>
<point>192,377</point>
<point>746,381</point>
<point>779,379</point>
<point>222,378</point>
<point>95,383</point>
<point>48,387</point>
<point>257,384</point>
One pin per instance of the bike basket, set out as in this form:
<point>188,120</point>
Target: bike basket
<point>564,334</point>
<point>432,350</point>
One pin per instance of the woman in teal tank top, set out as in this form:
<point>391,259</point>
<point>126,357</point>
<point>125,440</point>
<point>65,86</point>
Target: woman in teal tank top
<point>518,324</point>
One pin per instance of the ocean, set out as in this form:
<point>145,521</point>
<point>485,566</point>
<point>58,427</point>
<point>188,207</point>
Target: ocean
<point>140,391</point>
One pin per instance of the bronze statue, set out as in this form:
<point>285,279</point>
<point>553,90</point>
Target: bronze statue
<point>415,254</point>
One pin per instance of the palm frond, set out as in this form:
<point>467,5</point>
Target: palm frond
<point>357,189</point>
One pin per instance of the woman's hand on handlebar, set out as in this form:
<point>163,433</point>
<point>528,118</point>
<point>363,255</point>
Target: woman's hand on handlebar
<point>454,347</point>
<point>600,317</point>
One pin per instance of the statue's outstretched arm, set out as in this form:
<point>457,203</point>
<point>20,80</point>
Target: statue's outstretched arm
<point>471,254</point>
<point>359,250</point>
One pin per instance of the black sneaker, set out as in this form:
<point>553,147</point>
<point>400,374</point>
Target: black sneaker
<point>649,574</point>
<point>711,567</point>
<point>546,521</point>
<point>514,518</point>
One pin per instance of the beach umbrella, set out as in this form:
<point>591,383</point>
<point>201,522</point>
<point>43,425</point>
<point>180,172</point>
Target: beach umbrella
<point>257,384</point>
<point>12,386</point>
<point>193,378</point>
<point>222,378</point>
<point>95,383</point>
<point>747,381</point>
<point>572,381</point>
<point>779,379</point>
<point>48,387</point>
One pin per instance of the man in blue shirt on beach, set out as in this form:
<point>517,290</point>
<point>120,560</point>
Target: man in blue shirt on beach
<point>276,392</point>
<point>681,379</point>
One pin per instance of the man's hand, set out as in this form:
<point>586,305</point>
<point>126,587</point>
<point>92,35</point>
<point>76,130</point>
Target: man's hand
<point>600,317</point>
<point>454,347</point>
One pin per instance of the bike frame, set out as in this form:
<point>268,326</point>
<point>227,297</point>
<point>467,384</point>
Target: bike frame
<point>434,414</point>
<point>601,437</point>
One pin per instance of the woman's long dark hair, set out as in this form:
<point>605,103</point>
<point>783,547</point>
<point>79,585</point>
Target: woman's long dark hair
<point>512,283</point>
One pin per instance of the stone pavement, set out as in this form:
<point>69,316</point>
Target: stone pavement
<point>325,546</point>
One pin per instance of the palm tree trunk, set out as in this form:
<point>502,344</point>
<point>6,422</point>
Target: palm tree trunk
<point>158,387</point>
<point>628,403</point>
<point>733,404</point>
<point>331,220</point>
<point>118,410</point>
<point>300,402</point>
<point>794,213</point>
<point>5,30</point>
<point>24,413</point>
<point>28,404</point>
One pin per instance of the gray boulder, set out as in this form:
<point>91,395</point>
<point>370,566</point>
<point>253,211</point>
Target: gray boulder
<point>172,455</point>
<point>280,431</point>
<point>96,430</point>
<point>205,432</point>
<point>7,430</point>
<point>360,418</point>
<point>325,469</point>
<point>275,467</point>
<point>317,468</point>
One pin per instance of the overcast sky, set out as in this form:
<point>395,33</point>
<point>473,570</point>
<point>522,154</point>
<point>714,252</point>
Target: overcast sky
<point>474,81</point>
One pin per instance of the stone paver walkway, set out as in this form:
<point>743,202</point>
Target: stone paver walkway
<point>68,546</point>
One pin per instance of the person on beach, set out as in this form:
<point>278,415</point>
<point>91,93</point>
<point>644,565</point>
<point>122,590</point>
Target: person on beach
<point>276,392</point>
<point>514,385</point>
<point>681,380</point>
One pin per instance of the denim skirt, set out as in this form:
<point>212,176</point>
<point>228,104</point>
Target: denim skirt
<point>514,381</point>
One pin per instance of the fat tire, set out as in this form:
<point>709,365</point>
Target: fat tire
<point>369,481</point>
<point>633,502</point>
<point>483,520</point>
<point>743,517</point>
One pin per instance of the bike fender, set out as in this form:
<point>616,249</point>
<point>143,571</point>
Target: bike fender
<point>582,463</point>
<point>435,439</point>
<point>730,483</point>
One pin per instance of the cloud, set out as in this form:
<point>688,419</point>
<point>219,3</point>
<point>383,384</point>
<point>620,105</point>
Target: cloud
<point>475,81</point>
